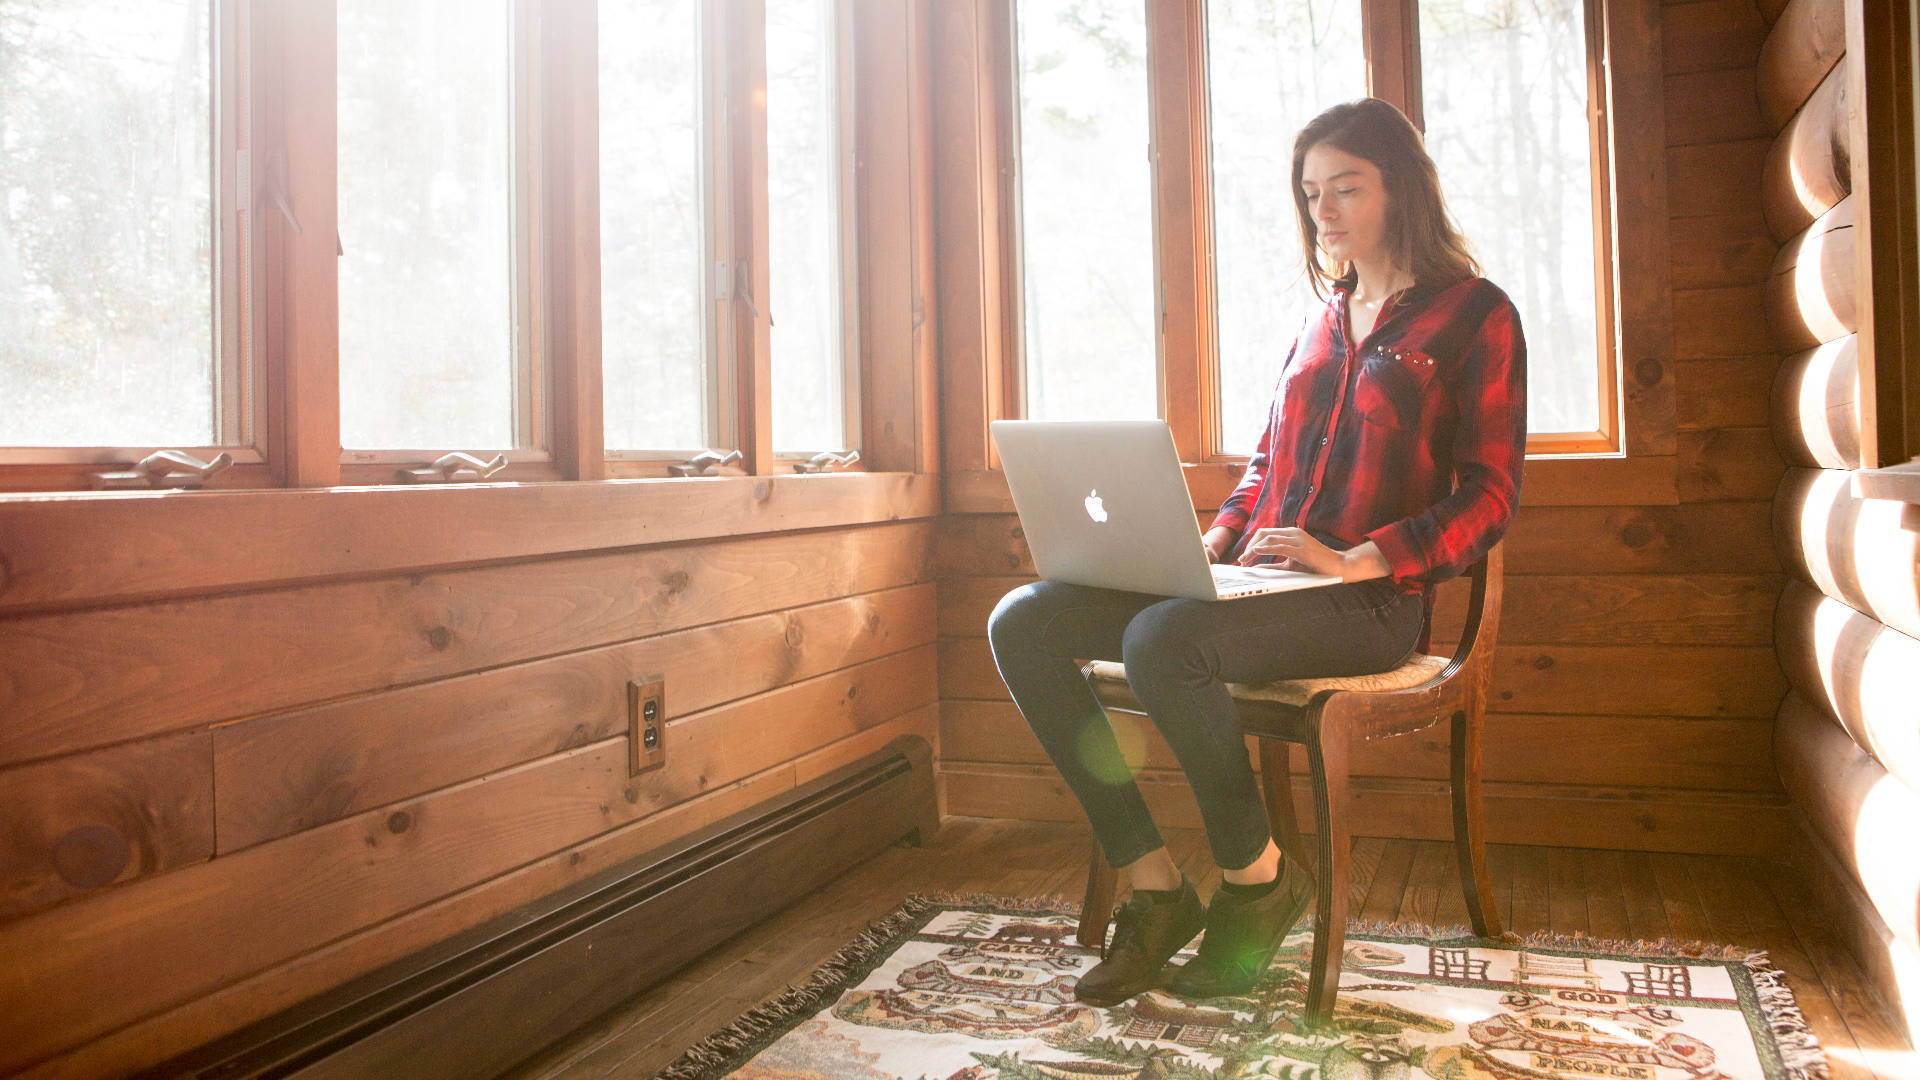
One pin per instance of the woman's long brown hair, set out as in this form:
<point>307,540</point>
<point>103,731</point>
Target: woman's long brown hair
<point>1421,236</point>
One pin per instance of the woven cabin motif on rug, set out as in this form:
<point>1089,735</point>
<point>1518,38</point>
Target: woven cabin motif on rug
<point>947,992</point>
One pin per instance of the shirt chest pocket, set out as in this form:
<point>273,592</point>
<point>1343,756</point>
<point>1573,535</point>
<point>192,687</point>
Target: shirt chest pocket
<point>1394,386</point>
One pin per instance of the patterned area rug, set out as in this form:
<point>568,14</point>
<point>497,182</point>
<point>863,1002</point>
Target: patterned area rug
<point>981,988</point>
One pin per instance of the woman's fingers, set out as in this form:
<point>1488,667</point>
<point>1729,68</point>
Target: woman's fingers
<point>1276,542</point>
<point>1278,539</point>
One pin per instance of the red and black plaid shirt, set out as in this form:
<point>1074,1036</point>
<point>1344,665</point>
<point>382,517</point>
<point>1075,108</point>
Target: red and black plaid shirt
<point>1364,442</point>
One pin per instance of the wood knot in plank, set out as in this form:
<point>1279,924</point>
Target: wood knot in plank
<point>1648,371</point>
<point>1637,535</point>
<point>399,821</point>
<point>439,637</point>
<point>90,856</point>
<point>1542,663</point>
<point>672,584</point>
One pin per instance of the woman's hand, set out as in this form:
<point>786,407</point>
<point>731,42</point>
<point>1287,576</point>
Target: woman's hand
<point>1218,541</point>
<point>1298,550</point>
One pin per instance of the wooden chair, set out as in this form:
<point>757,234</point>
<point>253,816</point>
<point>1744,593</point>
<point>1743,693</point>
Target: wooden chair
<point>1324,716</point>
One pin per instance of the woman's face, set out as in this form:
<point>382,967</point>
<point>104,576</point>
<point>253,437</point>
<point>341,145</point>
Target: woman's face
<point>1348,202</point>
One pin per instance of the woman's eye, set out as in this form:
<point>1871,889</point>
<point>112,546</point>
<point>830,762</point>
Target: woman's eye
<point>1345,191</point>
<point>1313,196</point>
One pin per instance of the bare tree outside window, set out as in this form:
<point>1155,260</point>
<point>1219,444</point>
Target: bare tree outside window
<point>1272,65</point>
<point>1505,94</point>
<point>803,244</point>
<point>107,248</point>
<point>427,353</point>
<point>1086,211</point>
<point>657,388</point>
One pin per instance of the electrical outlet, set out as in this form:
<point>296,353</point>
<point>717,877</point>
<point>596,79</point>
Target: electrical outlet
<point>646,725</point>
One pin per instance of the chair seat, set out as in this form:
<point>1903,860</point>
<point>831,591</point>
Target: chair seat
<point>1298,692</point>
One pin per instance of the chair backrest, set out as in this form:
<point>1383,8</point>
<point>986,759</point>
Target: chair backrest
<point>1482,627</point>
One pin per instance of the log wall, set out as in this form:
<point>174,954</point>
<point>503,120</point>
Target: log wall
<point>1636,686</point>
<point>1847,738</point>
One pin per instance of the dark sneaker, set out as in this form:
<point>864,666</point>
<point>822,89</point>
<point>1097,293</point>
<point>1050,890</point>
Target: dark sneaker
<point>1243,935</point>
<point>1148,930</point>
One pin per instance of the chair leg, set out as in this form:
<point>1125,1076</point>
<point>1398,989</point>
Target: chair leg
<point>1276,786</point>
<point>1327,760</point>
<point>1097,909</point>
<point>1469,828</point>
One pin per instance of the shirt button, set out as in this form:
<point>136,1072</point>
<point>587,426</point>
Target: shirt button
<point>1323,440</point>
<point>1309,489</point>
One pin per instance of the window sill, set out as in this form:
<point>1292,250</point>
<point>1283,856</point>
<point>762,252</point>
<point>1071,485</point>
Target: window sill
<point>73,548</point>
<point>1552,480</point>
<point>1898,483</point>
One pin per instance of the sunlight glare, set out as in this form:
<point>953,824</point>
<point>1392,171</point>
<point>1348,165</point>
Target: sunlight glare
<point>1809,286</point>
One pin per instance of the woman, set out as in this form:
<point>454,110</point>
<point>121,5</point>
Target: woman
<point>1391,458</point>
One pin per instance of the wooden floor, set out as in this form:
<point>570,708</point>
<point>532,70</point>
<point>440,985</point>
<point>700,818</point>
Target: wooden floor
<point>1602,893</point>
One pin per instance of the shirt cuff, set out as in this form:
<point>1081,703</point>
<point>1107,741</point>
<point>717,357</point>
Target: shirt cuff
<point>1230,519</point>
<point>1404,558</point>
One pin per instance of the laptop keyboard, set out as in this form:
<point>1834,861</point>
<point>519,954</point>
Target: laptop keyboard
<point>1226,572</point>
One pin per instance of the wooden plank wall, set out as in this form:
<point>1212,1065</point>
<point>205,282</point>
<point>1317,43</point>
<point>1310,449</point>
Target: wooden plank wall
<point>1637,684</point>
<point>254,744</point>
<point>224,800</point>
<point>1847,736</point>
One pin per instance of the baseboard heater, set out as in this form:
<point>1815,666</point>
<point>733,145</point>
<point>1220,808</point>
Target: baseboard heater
<point>479,1003</point>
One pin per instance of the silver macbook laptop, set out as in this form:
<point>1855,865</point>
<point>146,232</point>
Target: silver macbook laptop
<point>1104,503</point>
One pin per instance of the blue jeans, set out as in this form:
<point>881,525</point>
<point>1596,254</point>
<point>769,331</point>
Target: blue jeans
<point>1180,654</point>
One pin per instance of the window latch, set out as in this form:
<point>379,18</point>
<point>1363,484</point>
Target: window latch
<point>705,463</point>
<point>827,461</point>
<point>276,193</point>
<point>745,290</point>
<point>455,468</point>
<point>174,469</point>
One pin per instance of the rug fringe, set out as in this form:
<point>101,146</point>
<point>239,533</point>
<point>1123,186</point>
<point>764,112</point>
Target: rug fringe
<point>700,1059</point>
<point>1800,1053</point>
<point>1054,904</point>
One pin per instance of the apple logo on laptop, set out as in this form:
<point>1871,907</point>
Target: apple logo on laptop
<point>1095,509</point>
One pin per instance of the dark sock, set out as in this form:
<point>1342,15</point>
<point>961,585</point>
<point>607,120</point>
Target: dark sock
<point>1163,896</point>
<point>1249,892</point>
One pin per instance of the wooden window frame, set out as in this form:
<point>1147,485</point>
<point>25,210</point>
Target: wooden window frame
<point>1885,82</point>
<point>278,62</point>
<point>718,279</point>
<point>734,89</point>
<point>845,140</point>
<point>1182,193</point>
<point>238,369</point>
<point>531,455</point>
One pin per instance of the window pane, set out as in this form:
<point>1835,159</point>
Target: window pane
<point>1271,67</point>
<point>652,249</point>
<point>426,222</point>
<point>1086,210</point>
<point>803,206</point>
<point>106,224</point>
<point>1506,108</point>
